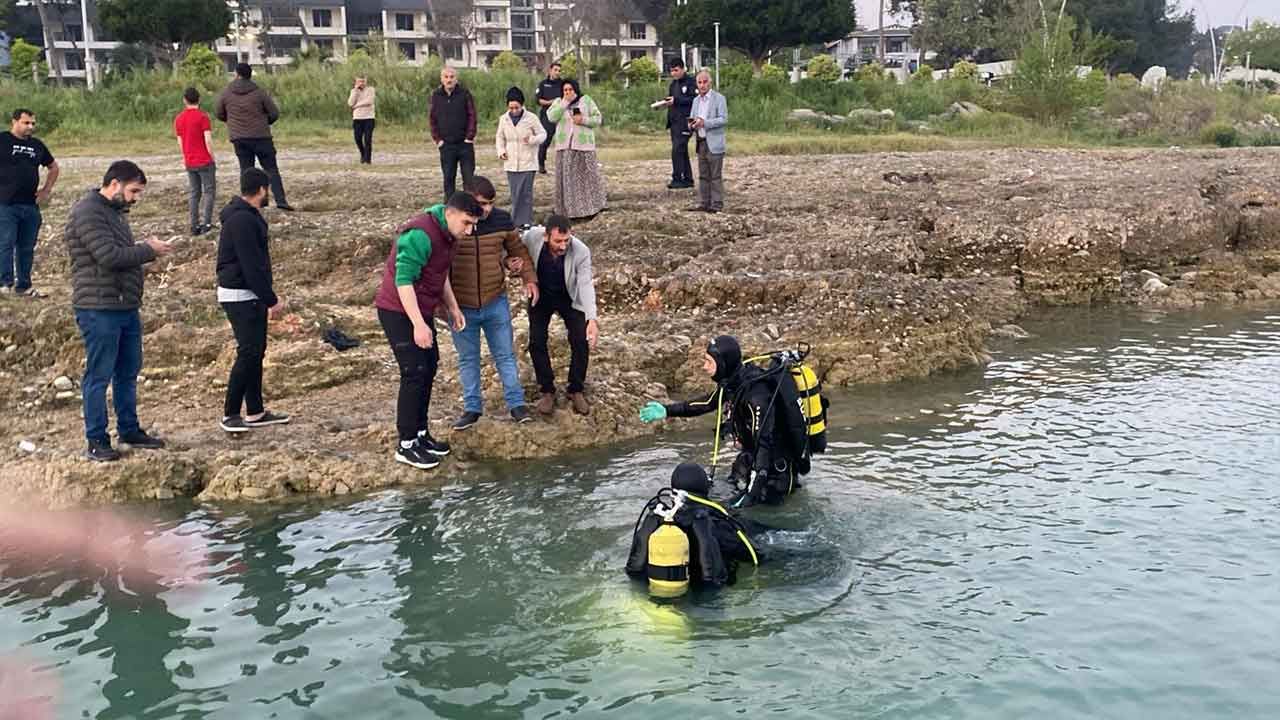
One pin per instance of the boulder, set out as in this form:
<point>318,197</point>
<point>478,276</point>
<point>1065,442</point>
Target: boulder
<point>963,109</point>
<point>1154,77</point>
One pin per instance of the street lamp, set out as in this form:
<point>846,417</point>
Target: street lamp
<point>717,54</point>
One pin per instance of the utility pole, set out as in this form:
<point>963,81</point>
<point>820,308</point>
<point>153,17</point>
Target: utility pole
<point>717,54</point>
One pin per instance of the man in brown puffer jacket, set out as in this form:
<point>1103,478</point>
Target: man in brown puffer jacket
<point>480,285</point>
<point>249,113</point>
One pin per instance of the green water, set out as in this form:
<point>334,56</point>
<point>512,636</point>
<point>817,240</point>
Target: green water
<point>1087,528</point>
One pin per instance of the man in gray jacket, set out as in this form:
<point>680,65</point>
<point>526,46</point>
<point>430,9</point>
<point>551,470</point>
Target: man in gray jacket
<point>106,292</point>
<point>708,117</point>
<point>249,113</point>
<point>562,263</point>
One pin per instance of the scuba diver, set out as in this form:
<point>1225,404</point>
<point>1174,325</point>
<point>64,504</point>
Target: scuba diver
<point>776,413</point>
<point>682,538</point>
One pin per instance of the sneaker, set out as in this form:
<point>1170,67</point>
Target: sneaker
<point>415,456</point>
<point>101,452</point>
<point>268,418</point>
<point>286,207</point>
<point>579,403</point>
<point>546,403</point>
<point>432,445</point>
<point>6,289</point>
<point>520,414</point>
<point>141,440</point>
<point>466,420</point>
<point>233,424</point>
<point>29,293</point>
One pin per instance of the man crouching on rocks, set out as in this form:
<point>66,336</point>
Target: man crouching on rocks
<point>106,293</point>
<point>414,284</point>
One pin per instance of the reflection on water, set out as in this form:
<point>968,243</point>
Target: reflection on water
<point>1087,527</point>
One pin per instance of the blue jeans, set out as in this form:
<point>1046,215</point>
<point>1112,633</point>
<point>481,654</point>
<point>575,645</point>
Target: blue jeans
<point>113,354</point>
<point>19,226</point>
<point>495,320</point>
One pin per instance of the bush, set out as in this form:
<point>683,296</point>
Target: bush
<point>201,63</point>
<point>773,73</point>
<point>737,75</point>
<point>641,70</point>
<point>1093,89</point>
<point>569,67</point>
<point>22,55</point>
<point>964,70</point>
<point>1221,135</point>
<point>924,73</point>
<point>507,61</point>
<point>1125,81</point>
<point>824,68</point>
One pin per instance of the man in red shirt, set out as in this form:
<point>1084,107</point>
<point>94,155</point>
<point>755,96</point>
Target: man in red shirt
<point>195,137</point>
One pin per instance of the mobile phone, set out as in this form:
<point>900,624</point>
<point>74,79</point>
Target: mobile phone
<point>577,111</point>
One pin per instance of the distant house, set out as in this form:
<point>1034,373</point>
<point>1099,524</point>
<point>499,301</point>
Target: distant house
<point>862,46</point>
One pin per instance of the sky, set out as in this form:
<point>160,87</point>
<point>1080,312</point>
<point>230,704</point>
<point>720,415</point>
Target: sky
<point>1221,12</point>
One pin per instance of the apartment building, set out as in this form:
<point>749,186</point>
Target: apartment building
<point>271,32</point>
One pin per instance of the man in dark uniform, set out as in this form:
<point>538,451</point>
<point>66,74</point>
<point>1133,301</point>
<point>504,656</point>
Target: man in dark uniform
<point>549,89</point>
<point>679,104</point>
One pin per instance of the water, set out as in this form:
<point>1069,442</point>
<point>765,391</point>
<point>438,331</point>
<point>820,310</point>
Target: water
<point>1089,527</point>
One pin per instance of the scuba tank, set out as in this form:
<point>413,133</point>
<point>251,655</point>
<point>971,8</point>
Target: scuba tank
<point>667,565</point>
<point>812,405</point>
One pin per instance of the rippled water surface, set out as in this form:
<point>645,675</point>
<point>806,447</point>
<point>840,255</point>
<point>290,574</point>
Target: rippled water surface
<point>1088,527</point>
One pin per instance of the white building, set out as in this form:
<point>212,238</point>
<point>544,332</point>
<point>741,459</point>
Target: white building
<point>863,46</point>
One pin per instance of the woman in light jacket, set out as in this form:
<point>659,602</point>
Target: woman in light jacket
<point>519,136</point>
<point>579,185</point>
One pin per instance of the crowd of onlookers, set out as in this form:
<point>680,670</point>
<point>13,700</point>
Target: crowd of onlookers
<point>451,260</point>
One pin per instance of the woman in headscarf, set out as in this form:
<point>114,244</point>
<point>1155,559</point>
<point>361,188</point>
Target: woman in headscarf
<point>519,136</point>
<point>579,185</point>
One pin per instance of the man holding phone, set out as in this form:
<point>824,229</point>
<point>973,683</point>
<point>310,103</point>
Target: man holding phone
<point>679,103</point>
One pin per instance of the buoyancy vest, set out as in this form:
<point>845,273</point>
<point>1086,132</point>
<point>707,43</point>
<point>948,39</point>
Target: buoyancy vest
<point>682,539</point>
<point>800,411</point>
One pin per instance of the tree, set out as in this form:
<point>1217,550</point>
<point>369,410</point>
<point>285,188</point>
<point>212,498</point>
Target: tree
<point>757,28</point>
<point>1260,44</point>
<point>507,61</point>
<point>166,27</point>
<point>22,55</point>
<point>823,67</point>
<point>1152,33</point>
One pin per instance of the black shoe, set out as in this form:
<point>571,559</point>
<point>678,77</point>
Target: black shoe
<point>696,208</point>
<point>233,424</point>
<point>542,171</point>
<point>520,414</point>
<point>268,418</point>
<point>713,211</point>
<point>433,446</point>
<point>101,452</point>
<point>141,440</point>
<point>415,456</point>
<point>464,421</point>
<point>286,207</point>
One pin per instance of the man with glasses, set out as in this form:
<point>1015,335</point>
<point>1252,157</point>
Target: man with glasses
<point>480,286</point>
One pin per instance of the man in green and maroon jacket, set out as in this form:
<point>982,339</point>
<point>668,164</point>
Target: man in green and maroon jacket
<point>415,285</point>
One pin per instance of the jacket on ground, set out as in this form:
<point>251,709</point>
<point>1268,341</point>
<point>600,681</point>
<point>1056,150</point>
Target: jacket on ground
<point>106,262</point>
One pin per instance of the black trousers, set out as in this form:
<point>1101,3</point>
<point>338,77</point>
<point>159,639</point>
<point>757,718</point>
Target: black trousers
<point>249,326</point>
<point>363,130</point>
<point>575,324</point>
<point>264,151</point>
<point>452,157</point>
<point>550,127</point>
<point>681,168</point>
<point>417,372</point>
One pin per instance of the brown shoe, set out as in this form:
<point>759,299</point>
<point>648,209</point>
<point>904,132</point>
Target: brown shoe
<point>546,404</point>
<point>579,402</point>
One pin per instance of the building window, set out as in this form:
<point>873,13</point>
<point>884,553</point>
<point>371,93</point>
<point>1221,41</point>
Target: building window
<point>895,46</point>
<point>638,54</point>
<point>404,22</point>
<point>522,21</point>
<point>322,18</point>
<point>492,38</point>
<point>492,17</point>
<point>638,31</point>
<point>409,50</point>
<point>521,3</point>
<point>453,51</point>
<point>73,61</point>
<point>522,42</point>
<point>324,45</point>
<point>75,33</point>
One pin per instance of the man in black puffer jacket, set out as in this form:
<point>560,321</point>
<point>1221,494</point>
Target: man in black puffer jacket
<point>246,294</point>
<point>106,292</point>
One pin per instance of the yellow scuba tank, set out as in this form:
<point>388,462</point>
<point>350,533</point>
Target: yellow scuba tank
<point>668,566</point>
<point>812,406</point>
<point>668,561</point>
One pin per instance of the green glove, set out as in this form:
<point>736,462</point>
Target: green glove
<point>652,411</point>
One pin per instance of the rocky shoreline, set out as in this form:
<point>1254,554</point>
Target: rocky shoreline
<point>891,265</point>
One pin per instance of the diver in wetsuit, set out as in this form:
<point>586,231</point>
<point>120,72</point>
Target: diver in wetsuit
<point>682,538</point>
<point>765,417</point>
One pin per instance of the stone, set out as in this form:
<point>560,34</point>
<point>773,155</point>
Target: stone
<point>11,349</point>
<point>27,446</point>
<point>253,493</point>
<point>1011,332</point>
<point>1155,286</point>
<point>1190,277</point>
<point>1149,275</point>
<point>964,109</point>
<point>888,114</point>
<point>65,395</point>
<point>1154,77</point>
<point>62,382</point>
<point>865,116</point>
<point>341,488</point>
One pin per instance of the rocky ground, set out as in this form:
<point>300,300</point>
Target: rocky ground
<point>892,265</point>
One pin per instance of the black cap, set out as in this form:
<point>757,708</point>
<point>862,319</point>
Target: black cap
<point>691,478</point>
<point>728,357</point>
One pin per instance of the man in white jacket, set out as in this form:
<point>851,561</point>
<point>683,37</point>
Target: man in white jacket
<point>519,136</point>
